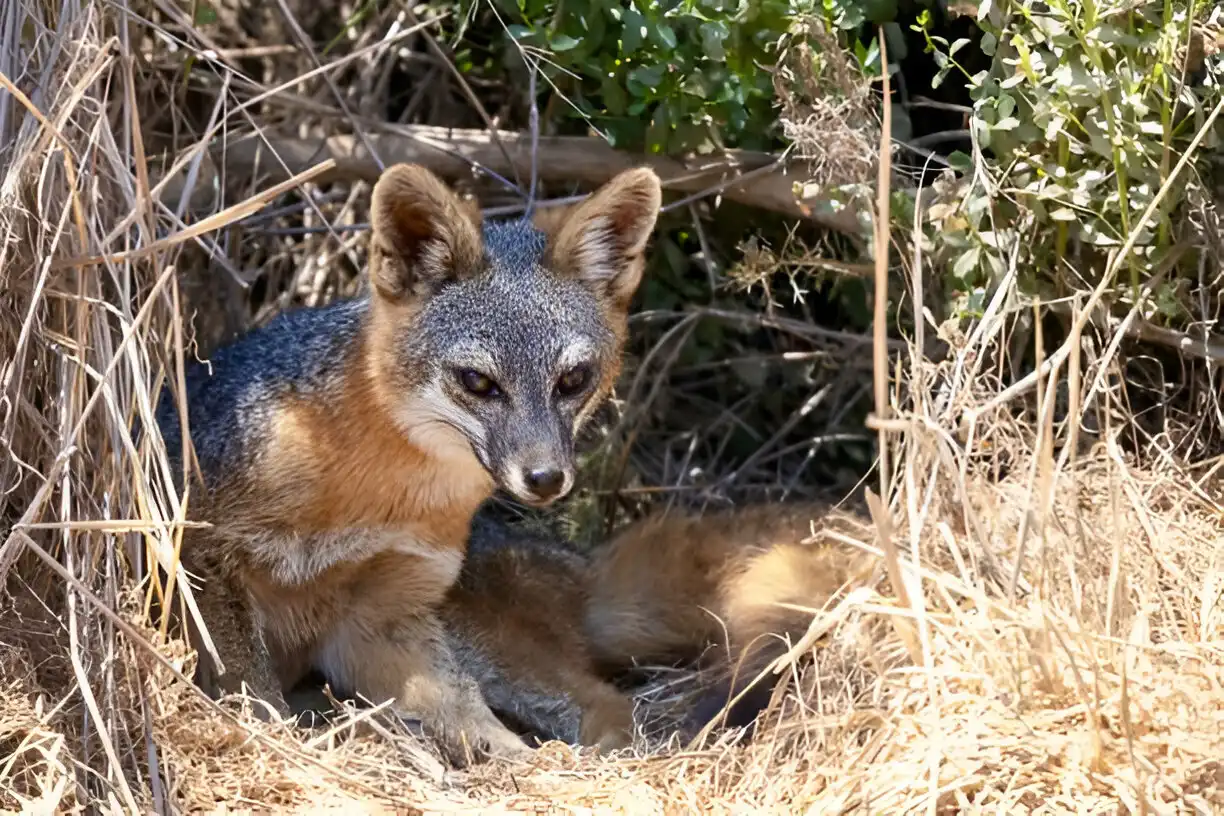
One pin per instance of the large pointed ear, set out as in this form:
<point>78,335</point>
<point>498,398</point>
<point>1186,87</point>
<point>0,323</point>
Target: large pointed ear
<point>424,235</point>
<point>602,240</point>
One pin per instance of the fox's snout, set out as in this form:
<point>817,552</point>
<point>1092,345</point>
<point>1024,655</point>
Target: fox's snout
<point>539,483</point>
<point>535,473</point>
<point>546,483</point>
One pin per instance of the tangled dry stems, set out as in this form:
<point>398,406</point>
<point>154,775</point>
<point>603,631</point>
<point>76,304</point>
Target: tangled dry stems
<point>828,113</point>
<point>1096,684</point>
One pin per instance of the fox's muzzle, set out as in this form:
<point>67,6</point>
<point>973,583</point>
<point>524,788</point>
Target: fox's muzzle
<point>533,458</point>
<point>537,481</point>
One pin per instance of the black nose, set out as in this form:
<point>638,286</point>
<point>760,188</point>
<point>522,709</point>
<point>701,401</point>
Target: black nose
<point>545,484</point>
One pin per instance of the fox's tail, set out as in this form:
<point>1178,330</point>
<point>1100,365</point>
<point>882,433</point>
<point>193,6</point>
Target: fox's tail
<point>747,580</point>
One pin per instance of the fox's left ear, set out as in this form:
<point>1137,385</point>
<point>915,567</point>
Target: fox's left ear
<point>602,240</point>
<point>424,235</point>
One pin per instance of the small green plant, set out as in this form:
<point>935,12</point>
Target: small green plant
<point>678,75</point>
<point>1076,126</point>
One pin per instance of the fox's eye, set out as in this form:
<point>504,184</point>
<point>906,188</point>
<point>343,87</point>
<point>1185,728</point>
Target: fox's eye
<point>573,381</point>
<point>478,384</point>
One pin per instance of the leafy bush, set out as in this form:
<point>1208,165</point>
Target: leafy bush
<point>1087,108</point>
<point>666,77</point>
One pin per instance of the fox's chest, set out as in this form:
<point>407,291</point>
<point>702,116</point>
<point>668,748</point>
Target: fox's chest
<point>317,583</point>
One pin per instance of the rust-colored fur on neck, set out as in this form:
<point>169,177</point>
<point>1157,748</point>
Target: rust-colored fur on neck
<point>353,463</point>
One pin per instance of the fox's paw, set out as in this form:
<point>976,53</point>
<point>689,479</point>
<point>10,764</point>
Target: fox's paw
<point>471,739</point>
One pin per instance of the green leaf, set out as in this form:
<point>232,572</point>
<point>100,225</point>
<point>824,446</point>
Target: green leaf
<point>564,42</point>
<point>699,84</point>
<point>712,36</point>
<point>1006,106</point>
<point>976,302</point>
<point>649,76</point>
<point>663,35</point>
<point>870,62</point>
<point>614,97</point>
<point>634,28</point>
<point>879,11</point>
<point>960,160</point>
<point>204,15</point>
<point>966,264</point>
<point>997,269</point>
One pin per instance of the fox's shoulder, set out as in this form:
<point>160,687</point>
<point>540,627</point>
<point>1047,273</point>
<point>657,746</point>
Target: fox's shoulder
<point>298,346</point>
<point>236,390</point>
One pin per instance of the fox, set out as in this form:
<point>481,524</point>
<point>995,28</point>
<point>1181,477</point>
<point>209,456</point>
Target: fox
<point>339,454</point>
<point>548,633</point>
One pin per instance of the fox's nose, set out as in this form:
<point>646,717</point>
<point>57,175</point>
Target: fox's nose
<point>545,484</point>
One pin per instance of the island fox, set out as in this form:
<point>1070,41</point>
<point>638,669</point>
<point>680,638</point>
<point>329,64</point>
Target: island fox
<point>343,450</point>
<point>546,631</point>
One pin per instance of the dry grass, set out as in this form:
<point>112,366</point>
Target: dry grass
<point>1095,683</point>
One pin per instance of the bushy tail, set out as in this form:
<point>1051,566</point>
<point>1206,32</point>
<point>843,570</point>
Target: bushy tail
<point>747,581</point>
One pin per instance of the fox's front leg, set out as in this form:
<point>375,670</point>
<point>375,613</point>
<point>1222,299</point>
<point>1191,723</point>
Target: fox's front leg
<point>407,659</point>
<point>389,644</point>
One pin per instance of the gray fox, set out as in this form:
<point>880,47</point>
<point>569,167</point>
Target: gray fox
<point>343,450</point>
<point>546,632</point>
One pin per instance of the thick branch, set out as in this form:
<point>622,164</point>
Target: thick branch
<point>452,154</point>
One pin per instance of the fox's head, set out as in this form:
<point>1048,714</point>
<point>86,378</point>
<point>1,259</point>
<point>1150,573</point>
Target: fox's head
<point>499,342</point>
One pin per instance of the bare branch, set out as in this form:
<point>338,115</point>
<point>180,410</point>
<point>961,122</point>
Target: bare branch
<point>735,175</point>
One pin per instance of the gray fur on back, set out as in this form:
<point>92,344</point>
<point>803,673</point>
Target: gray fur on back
<point>230,396</point>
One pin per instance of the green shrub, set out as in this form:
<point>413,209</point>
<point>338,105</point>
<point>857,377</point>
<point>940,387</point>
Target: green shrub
<point>1078,121</point>
<point>1087,108</point>
<point>664,77</point>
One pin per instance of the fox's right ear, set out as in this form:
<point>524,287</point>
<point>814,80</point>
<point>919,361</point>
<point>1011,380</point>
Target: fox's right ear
<point>602,240</point>
<point>424,235</point>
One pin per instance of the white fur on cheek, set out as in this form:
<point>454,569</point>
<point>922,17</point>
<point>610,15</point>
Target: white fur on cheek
<point>430,419</point>
<point>512,478</point>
